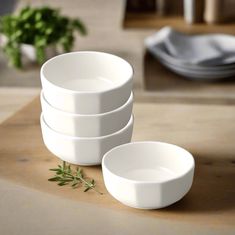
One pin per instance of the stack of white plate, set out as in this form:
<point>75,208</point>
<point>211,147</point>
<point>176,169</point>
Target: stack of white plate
<point>201,57</point>
<point>87,104</point>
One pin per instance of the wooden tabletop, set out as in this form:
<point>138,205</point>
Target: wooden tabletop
<point>208,131</point>
<point>160,80</point>
<point>29,204</point>
<point>154,21</point>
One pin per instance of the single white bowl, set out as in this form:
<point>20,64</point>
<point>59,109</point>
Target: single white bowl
<point>148,175</point>
<point>92,125</point>
<point>83,151</point>
<point>86,82</point>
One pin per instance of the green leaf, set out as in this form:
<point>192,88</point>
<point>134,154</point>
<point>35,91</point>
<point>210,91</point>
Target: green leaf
<point>79,172</point>
<point>40,54</point>
<point>74,185</point>
<point>62,183</point>
<point>86,189</point>
<point>79,25</point>
<point>67,180</point>
<point>64,175</point>
<point>38,16</point>
<point>54,169</point>
<point>54,179</point>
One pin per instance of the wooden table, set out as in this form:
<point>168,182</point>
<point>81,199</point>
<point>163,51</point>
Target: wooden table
<point>208,131</point>
<point>31,205</point>
<point>161,82</point>
<point>152,20</point>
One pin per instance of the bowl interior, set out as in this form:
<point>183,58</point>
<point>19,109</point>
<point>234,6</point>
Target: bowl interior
<point>148,161</point>
<point>87,71</point>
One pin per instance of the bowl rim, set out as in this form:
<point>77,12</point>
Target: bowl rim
<point>129,124</point>
<point>66,90</point>
<point>190,168</point>
<point>127,103</point>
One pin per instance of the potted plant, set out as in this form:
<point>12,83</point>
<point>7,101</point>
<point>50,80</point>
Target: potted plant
<point>34,30</point>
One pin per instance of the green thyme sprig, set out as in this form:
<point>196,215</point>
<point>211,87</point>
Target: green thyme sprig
<point>64,175</point>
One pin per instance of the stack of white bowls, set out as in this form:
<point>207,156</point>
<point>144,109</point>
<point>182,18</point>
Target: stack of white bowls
<point>87,104</point>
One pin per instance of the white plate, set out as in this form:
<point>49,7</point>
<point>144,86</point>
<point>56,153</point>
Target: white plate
<point>198,75</point>
<point>198,70</point>
<point>86,82</point>
<point>203,50</point>
<point>158,53</point>
<point>148,175</point>
<point>82,150</point>
<point>195,75</point>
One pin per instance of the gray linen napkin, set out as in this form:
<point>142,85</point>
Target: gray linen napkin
<point>212,49</point>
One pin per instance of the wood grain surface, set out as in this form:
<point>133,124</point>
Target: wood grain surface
<point>208,131</point>
<point>159,79</point>
<point>12,99</point>
<point>154,21</point>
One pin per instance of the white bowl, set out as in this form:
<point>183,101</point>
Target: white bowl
<point>83,151</point>
<point>148,175</point>
<point>86,82</point>
<point>87,125</point>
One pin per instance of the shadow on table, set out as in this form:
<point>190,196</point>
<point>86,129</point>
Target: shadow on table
<point>213,188</point>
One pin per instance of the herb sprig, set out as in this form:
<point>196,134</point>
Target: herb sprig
<point>64,175</point>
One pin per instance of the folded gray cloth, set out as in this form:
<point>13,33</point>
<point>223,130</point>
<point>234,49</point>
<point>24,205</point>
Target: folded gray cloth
<point>211,49</point>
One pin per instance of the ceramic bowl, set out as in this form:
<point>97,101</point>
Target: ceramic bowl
<point>87,125</point>
<point>86,82</point>
<point>82,150</point>
<point>148,175</point>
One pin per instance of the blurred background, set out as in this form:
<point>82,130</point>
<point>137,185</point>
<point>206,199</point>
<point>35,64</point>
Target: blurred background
<point>119,27</point>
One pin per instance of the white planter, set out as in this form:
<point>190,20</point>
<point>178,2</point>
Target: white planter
<point>28,51</point>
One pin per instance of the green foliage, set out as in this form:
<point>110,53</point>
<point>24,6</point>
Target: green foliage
<point>39,27</point>
<point>64,175</point>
